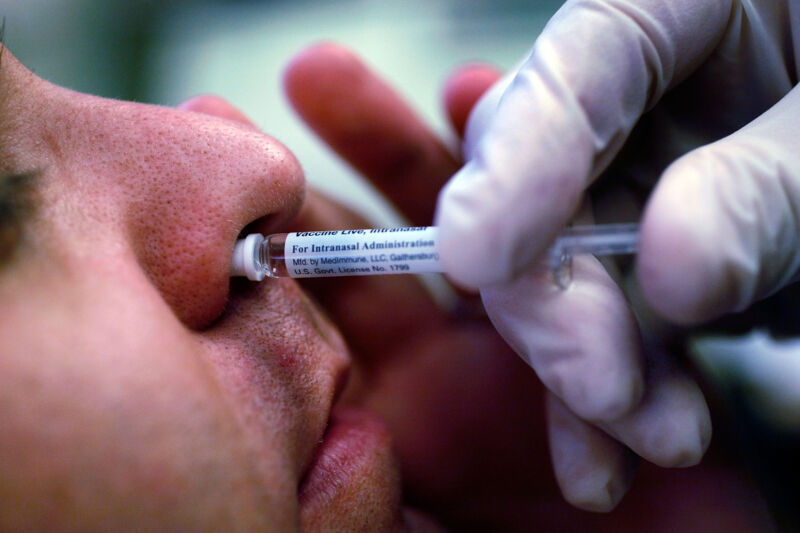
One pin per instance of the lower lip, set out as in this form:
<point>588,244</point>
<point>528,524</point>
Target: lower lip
<point>356,446</point>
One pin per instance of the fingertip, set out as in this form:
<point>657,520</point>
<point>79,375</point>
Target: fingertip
<point>463,267</point>
<point>213,105</point>
<point>672,426</point>
<point>320,53</point>
<point>470,244</point>
<point>680,263</point>
<point>685,443</point>
<point>312,69</point>
<point>682,452</point>
<point>489,231</point>
<point>594,495</point>
<point>593,471</point>
<point>462,90</point>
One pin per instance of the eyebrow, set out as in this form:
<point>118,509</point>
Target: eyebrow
<point>17,205</point>
<point>17,202</point>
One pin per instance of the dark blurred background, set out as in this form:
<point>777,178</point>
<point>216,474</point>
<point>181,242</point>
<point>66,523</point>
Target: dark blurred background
<point>164,52</point>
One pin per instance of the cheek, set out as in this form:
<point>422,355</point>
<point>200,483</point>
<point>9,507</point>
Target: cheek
<point>113,416</point>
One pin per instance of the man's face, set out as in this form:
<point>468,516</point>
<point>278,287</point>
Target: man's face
<point>138,388</point>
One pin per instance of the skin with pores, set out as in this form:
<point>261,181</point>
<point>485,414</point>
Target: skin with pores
<point>140,389</point>
<point>136,391</point>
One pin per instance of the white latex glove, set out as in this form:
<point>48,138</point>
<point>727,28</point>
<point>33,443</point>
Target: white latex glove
<point>709,86</point>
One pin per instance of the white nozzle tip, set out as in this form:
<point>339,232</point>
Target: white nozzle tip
<point>244,258</point>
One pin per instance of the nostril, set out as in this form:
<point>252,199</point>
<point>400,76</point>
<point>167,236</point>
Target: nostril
<point>266,225</point>
<point>190,271</point>
<point>195,183</point>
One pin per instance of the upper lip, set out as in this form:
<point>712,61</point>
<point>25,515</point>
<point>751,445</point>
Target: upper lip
<point>290,356</point>
<point>282,351</point>
<point>339,380</point>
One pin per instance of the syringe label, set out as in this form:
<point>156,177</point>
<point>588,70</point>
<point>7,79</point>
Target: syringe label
<point>362,252</point>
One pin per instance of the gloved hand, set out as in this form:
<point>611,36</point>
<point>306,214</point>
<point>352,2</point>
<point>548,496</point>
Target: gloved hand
<point>689,102</point>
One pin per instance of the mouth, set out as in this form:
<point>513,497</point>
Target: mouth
<point>355,450</point>
<point>355,477</point>
<point>349,474</point>
<point>348,471</point>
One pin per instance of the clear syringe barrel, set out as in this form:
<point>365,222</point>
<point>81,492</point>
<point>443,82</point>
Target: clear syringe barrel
<point>272,256</point>
<point>366,252</point>
<point>361,252</point>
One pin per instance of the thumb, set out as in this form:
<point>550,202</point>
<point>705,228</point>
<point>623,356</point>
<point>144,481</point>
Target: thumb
<point>722,228</point>
<point>532,151</point>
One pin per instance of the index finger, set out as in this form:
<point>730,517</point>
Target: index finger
<point>371,127</point>
<point>595,69</point>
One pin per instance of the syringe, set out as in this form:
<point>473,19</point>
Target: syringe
<point>366,252</point>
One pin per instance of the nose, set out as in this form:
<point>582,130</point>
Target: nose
<point>182,186</point>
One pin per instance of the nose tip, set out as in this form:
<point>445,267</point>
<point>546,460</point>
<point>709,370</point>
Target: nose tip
<point>199,182</point>
<point>277,200</point>
<point>215,106</point>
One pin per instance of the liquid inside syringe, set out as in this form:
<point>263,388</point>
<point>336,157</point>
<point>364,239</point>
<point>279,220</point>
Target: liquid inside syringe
<point>367,252</point>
